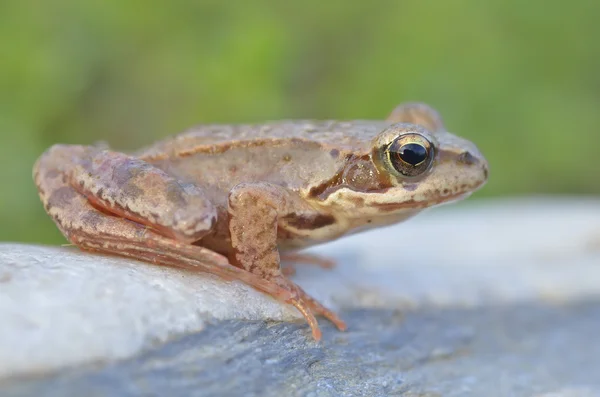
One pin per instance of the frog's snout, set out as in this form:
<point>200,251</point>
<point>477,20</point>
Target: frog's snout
<point>469,159</point>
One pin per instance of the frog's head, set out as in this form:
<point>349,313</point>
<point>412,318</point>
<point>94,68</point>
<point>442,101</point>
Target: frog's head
<point>406,169</point>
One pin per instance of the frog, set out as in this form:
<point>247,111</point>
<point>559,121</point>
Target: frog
<point>238,200</point>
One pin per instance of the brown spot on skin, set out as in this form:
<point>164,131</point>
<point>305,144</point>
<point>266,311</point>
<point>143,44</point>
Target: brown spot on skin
<point>287,158</point>
<point>51,174</point>
<point>334,153</point>
<point>174,193</point>
<point>131,190</point>
<point>124,172</point>
<point>317,191</point>
<point>92,219</point>
<point>357,201</point>
<point>304,222</point>
<point>61,198</point>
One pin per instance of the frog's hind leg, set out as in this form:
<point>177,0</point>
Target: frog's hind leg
<point>134,189</point>
<point>97,229</point>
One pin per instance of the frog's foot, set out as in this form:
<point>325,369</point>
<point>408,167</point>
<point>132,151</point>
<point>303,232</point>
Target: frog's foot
<point>291,259</point>
<point>308,306</point>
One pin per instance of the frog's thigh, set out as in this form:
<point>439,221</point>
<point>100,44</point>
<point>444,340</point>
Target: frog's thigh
<point>417,113</point>
<point>134,189</point>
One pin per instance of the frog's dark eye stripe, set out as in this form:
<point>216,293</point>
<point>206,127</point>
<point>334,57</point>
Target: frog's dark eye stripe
<point>409,154</point>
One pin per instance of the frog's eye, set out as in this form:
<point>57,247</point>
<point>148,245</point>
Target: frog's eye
<point>409,154</point>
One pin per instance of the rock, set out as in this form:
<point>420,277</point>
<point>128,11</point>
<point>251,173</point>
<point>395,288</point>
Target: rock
<point>497,298</point>
<point>63,307</point>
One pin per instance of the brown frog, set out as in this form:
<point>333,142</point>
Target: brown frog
<point>234,200</point>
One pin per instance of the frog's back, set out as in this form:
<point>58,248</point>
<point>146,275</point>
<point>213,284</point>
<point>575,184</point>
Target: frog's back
<point>350,135</point>
<point>294,154</point>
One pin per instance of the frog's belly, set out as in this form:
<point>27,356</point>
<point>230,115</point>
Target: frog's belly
<point>291,238</point>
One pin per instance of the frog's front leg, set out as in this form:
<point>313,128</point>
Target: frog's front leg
<point>96,217</point>
<point>255,210</point>
<point>291,259</point>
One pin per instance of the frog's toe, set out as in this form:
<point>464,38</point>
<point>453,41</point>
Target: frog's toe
<point>321,310</point>
<point>308,306</point>
<point>310,259</point>
<point>288,270</point>
<point>308,316</point>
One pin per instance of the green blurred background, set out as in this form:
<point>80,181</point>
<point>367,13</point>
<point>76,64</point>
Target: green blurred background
<point>520,78</point>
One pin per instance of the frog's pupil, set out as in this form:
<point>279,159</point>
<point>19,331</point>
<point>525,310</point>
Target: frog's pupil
<point>412,153</point>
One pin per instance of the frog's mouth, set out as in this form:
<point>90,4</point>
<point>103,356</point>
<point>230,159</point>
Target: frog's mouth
<point>406,197</point>
<point>419,204</point>
<point>454,198</point>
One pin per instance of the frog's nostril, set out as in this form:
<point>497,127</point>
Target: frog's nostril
<point>467,158</point>
<point>485,171</point>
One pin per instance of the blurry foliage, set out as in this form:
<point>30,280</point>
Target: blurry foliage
<point>521,79</point>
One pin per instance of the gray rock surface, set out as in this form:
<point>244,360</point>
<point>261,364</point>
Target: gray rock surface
<point>517,350</point>
<point>496,299</point>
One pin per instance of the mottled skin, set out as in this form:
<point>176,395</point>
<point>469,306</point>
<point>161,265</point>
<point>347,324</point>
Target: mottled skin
<point>228,199</point>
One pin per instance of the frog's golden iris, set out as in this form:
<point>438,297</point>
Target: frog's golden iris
<point>409,154</point>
